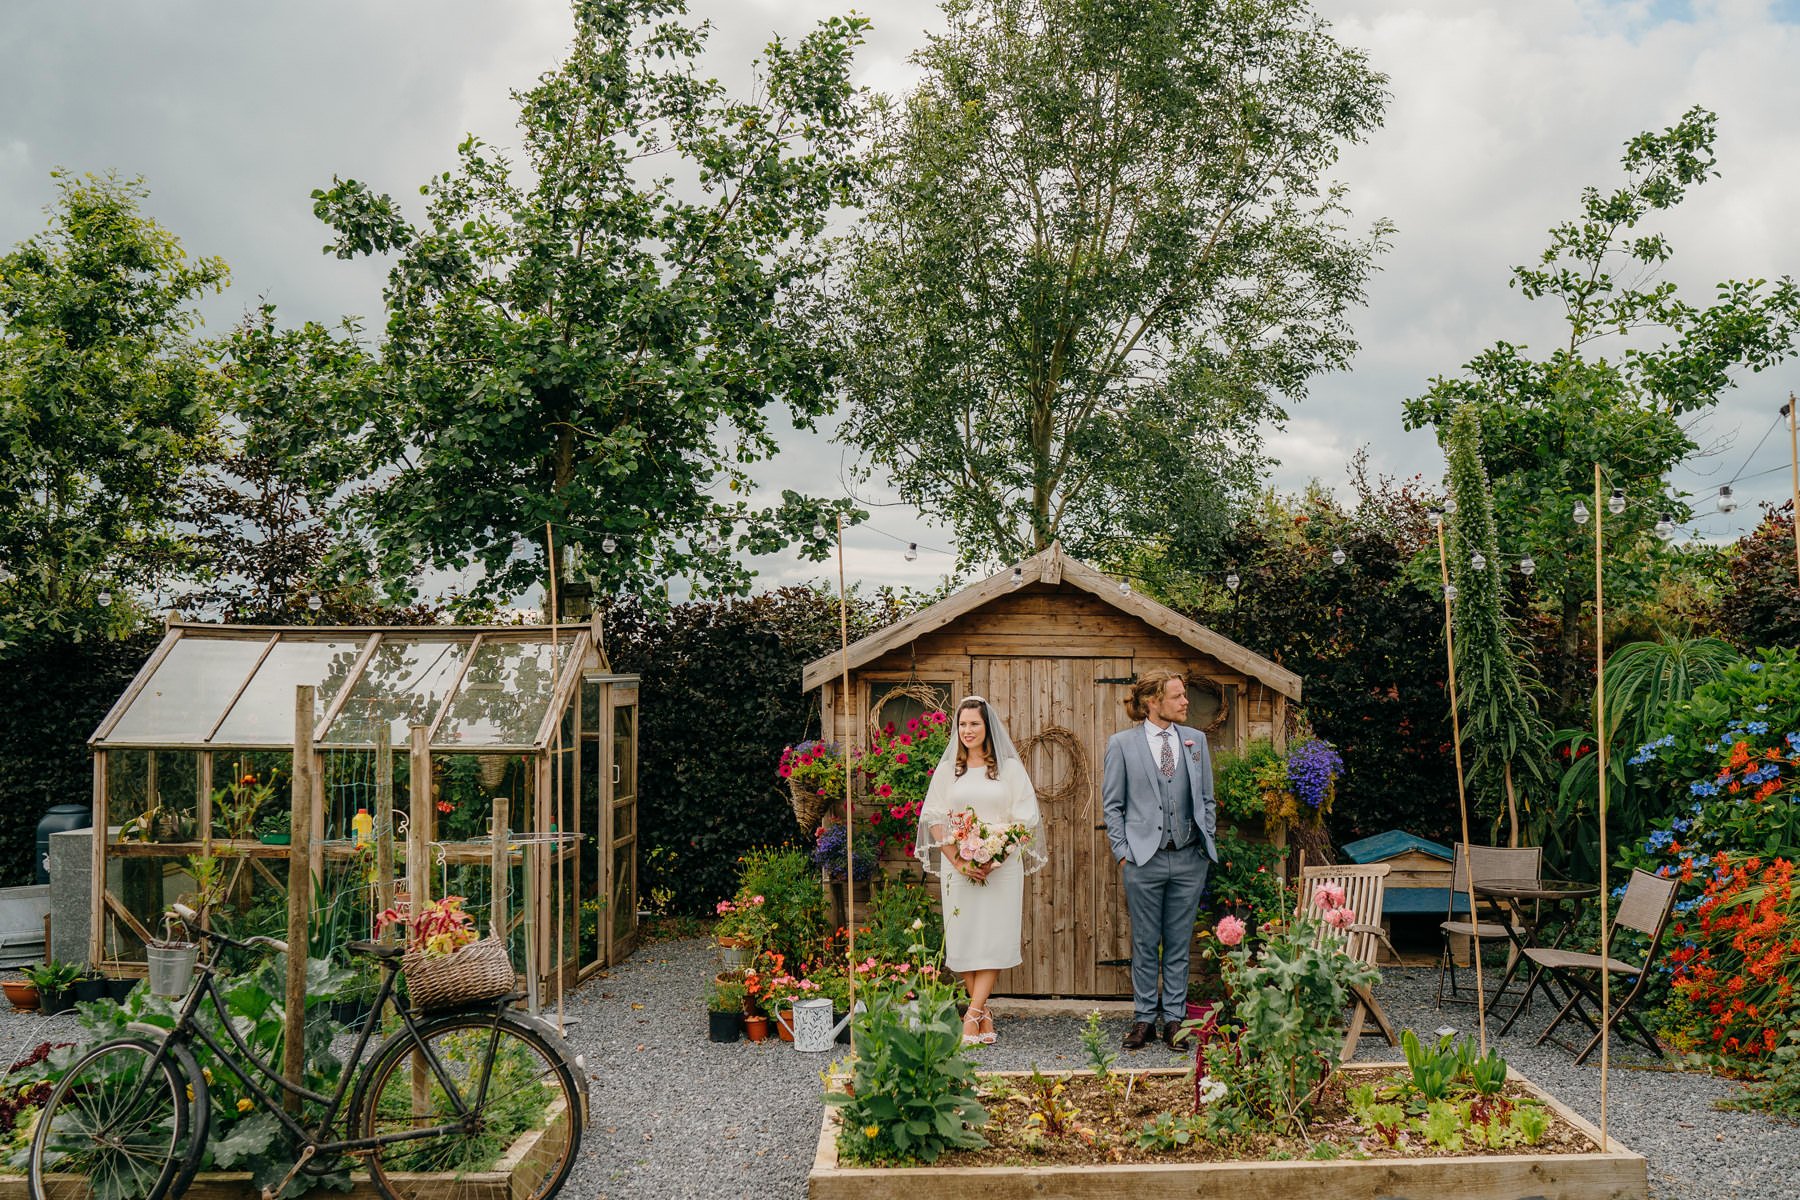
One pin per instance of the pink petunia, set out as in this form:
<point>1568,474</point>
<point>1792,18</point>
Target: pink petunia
<point>884,791</point>
<point>1340,918</point>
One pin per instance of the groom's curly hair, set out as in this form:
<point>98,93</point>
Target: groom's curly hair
<point>1147,687</point>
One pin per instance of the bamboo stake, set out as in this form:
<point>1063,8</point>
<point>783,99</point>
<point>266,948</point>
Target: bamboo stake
<point>499,866</point>
<point>300,805</point>
<point>1462,799</point>
<point>849,804</point>
<point>418,870</point>
<point>1601,735</point>
<point>1794,455</point>
<point>384,819</point>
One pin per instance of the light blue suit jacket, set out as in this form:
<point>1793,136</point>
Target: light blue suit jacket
<point>1130,786</point>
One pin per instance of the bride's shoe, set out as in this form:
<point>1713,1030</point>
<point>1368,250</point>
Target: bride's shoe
<point>990,1037</point>
<point>972,1018</point>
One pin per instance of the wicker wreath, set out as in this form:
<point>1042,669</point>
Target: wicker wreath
<point>1076,783</point>
<point>1224,713</point>
<point>922,693</point>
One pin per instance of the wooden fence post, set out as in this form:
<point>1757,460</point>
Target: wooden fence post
<point>384,820</point>
<point>418,870</point>
<point>293,1045</point>
<point>500,858</point>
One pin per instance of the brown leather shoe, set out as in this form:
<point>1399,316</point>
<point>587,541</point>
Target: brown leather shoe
<point>1171,1034</point>
<point>1139,1034</point>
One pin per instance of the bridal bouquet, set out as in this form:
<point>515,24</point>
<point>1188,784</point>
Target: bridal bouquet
<point>978,842</point>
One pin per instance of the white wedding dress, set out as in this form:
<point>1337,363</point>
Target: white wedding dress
<point>982,920</point>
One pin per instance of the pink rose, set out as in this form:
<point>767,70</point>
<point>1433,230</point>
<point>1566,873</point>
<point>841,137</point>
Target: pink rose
<point>1230,931</point>
<point>1340,918</point>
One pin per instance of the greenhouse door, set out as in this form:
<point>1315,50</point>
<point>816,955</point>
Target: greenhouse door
<point>608,820</point>
<point>622,899</point>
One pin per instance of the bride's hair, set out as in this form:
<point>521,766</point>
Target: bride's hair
<point>1147,687</point>
<point>987,739</point>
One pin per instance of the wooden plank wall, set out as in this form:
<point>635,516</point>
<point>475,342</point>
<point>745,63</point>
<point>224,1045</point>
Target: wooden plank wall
<point>1054,655</point>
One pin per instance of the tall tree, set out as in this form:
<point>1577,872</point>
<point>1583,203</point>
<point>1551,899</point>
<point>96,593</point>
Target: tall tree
<point>1637,360</point>
<point>1100,251</point>
<point>1506,743</point>
<point>104,408</point>
<point>585,341</point>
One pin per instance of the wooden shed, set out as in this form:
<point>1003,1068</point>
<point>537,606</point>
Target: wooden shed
<point>1054,644</point>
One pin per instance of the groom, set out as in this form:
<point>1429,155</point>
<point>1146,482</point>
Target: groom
<point>1157,790</point>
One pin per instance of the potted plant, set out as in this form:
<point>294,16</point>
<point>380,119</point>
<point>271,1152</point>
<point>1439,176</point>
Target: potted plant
<point>724,1011</point>
<point>275,827</point>
<point>118,987</point>
<point>22,993</point>
<point>90,985</point>
<point>743,929</point>
<point>756,1027</point>
<point>53,980</point>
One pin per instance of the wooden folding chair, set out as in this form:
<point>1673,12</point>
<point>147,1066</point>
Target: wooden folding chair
<point>1492,920</point>
<point>1648,901</point>
<point>1363,887</point>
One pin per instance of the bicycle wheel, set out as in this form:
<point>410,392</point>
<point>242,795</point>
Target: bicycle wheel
<point>116,1126</point>
<point>460,1141</point>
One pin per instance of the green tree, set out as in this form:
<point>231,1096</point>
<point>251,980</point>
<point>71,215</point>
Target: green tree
<point>104,408</point>
<point>1637,360</point>
<point>1099,251</point>
<point>599,337</point>
<point>1506,743</point>
<point>1760,606</point>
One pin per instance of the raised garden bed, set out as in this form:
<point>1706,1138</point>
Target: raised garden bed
<point>1567,1165</point>
<point>519,1173</point>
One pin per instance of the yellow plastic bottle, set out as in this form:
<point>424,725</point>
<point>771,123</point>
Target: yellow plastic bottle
<point>362,826</point>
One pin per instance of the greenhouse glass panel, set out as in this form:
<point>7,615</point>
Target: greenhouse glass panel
<point>403,683</point>
<point>264,714</point>
<point>504,695</point>
<point>190,689</point>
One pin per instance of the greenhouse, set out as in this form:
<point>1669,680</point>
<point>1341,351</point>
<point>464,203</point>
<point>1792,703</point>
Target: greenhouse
<point>416,736</point>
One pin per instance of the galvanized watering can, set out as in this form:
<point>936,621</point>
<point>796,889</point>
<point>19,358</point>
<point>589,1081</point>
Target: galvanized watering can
<point>813,1029</point>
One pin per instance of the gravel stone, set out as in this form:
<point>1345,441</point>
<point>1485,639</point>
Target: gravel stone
<point>674,1115</point>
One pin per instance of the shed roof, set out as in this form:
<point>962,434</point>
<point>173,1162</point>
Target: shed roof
<point>1391,843</point>
<point>1052,566</point>
<point>476,687</point>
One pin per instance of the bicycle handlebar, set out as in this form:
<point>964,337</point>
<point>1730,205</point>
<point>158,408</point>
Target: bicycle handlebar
<point>191,919</point>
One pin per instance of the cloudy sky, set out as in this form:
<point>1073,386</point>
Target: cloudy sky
<point>1502,110</point>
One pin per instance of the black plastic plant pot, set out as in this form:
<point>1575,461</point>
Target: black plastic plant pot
<point>724,1026</point>
<point>118,989</point>
<point>86,990</point>
<point>58,1000</point>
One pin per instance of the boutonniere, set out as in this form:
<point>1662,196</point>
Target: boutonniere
<point>1189,743</point>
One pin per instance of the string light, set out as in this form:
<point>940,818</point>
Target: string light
<point>714,545</point>
<point>1449,591</point>
<point>1337,557</point>
<point>1581,513</point>
<point>105,599</point>
<point>1436,518</point>
<point>1616,504</point>
<point>818,533</point>
<point>1450,505</point>
<point>1478,560</point>
<point>1232,581</point>
<point>315,602</point>
<point>1727,502</point>
<point>912,552</point>
<point>1665,528</point>
<point>1528,566</point>
<point>1018,576</point>
<point>608,544</point>
<point>1124,587</point>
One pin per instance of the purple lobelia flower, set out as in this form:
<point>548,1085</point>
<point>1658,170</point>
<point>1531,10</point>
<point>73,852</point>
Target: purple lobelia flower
<point>1313,767</point>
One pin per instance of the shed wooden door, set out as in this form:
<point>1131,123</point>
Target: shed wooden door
<point>1074,915</point>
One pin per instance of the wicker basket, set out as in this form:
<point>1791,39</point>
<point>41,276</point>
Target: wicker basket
<point>479,971</point>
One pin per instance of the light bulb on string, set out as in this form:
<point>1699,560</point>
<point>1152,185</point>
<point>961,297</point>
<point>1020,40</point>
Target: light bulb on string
<point>315,602</point>
<point>1665,528</point>
<point>1449,591</point>
<point>1232,581</point>
<point>1018,576</point>
<point>1616,503</point>
<point>1337,557</point>
<point>818,533</point>
<point>1124,587</point>
<point>1528,566</point>
<point>105,599</point>
<point>912,552</point>
<point>1727,502</point>
<point>1450,505</point>
<point>713,544</point>
<point>1436,517</point>
<point>1478,560</point>
<point>1581,513</point>
<point>608,544</point>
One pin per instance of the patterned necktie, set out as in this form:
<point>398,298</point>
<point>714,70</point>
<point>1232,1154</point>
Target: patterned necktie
<point>1168,756</point>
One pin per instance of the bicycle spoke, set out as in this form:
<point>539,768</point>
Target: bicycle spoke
<point>114,1124</point>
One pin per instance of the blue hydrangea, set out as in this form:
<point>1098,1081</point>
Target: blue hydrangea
<point>1659,841</point>
<point>1757,728</point>
<point>1681,825</point>
<point>1704,787</point>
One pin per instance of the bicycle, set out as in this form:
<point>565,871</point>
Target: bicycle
<point>448,1090</point>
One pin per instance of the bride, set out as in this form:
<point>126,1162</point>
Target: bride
<point>983,903</point>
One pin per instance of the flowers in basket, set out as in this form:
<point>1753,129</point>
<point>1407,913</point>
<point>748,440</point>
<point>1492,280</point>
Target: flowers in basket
<point>446,963</point>
<point>980,843</point>
<point>440,928</point>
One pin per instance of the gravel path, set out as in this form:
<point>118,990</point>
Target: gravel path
<point>677,1116</point>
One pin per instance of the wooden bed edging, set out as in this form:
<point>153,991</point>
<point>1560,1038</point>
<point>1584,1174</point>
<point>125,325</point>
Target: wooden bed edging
<point>1615,1174</point>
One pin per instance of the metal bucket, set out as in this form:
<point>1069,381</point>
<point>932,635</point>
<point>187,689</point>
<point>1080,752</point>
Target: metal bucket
<point>172,969</point>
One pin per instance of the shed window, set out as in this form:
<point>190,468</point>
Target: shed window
<point>896,703</point>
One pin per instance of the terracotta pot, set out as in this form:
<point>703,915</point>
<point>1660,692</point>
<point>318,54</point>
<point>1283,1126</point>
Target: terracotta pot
<point>23,993</point>
<point>784,1024</point>
<point>756,1028</point>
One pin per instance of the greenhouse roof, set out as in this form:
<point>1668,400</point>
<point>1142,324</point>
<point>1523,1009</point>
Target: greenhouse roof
<point>227,686</point>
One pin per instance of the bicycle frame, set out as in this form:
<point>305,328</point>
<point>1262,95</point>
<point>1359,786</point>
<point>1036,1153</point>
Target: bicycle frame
<point>187,1028</point>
